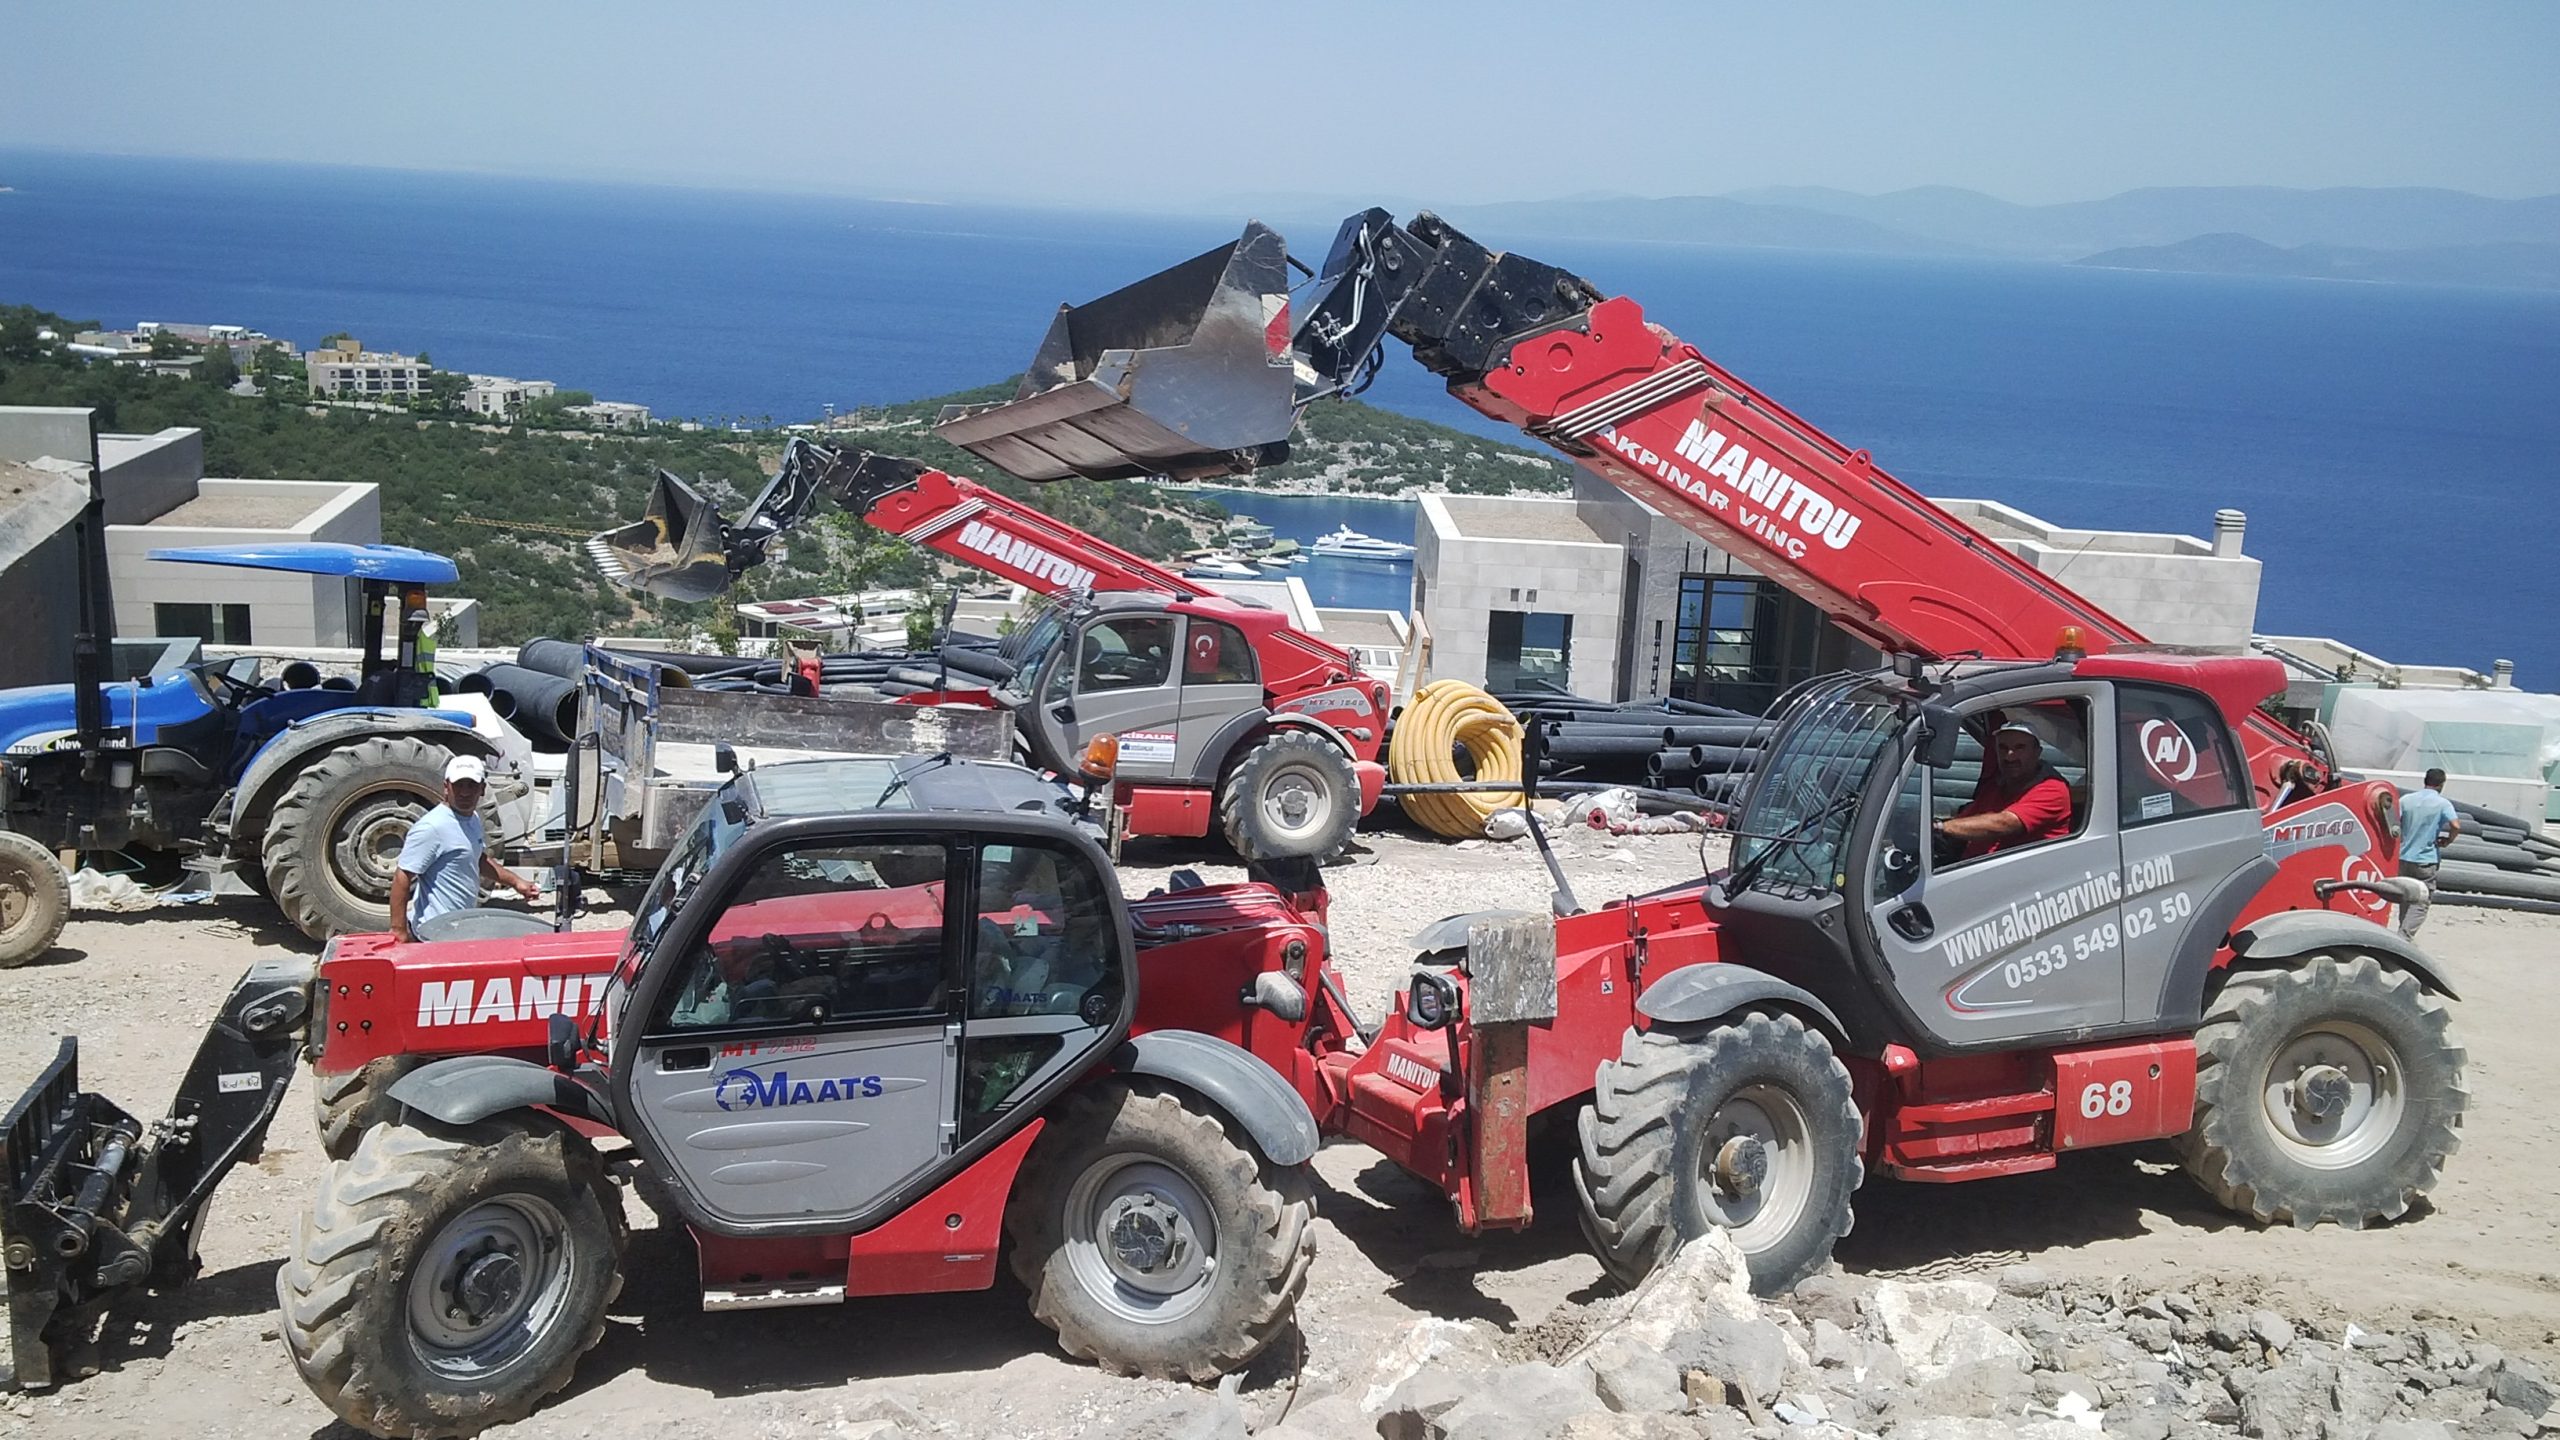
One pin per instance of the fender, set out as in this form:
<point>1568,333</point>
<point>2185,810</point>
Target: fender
<point>2291,934</point>
<point>275,764</point>
<point>1694,994</point>
<point>1451,934</point>
<point>1291,720</point>
<point>1229,1077</point>
<point>466,1088</point>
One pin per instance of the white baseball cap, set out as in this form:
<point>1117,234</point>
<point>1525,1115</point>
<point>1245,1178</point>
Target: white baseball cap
<point>466,767</point>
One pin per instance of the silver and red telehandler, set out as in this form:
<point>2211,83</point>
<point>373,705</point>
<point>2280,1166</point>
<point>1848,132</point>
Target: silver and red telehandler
<point>876,1017</point>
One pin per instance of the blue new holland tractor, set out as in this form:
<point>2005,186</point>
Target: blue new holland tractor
<point>303,788</point>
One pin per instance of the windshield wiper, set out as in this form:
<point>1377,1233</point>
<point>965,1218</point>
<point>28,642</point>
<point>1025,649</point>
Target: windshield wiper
<point>1749,870</point>
<point>898,781</point>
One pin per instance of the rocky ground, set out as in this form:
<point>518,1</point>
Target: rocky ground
<point>1958,1311</point>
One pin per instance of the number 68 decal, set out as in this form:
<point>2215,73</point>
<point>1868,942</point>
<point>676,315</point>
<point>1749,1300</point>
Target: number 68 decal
<point>2099,1100</point>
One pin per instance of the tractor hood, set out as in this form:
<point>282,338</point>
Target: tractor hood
<point>33,717</point>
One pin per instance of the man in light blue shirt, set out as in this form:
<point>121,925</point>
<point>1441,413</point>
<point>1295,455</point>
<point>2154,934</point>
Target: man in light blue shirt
<point>442,862</point>
<point>2427,820</point>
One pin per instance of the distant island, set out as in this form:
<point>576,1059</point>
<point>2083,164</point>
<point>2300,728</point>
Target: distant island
<point>2516,266</point>
<point>2406,235</point>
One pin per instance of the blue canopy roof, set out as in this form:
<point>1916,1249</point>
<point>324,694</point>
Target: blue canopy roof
<point>396,563</point>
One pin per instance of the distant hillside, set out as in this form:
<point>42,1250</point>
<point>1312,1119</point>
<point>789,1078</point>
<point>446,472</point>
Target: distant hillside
<point>1345,446</point>
<point>2514,266</point>
<point>1690,219</point>
<point>1941,219</point>
<point>512,505</point>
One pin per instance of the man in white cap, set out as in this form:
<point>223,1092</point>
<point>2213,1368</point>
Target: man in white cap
<point>442,864</point>
<point>2019,801</point>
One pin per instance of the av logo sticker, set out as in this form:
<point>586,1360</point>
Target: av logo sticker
<point>2362,870</point>
<point>2167,752</point>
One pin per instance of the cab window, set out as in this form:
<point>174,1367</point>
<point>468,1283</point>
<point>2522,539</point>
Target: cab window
<point>2174,757</point>
<point>1215,653</point>
<point>2009,760</point>
<point>1128,652</point>
<point>821,934</point>
<point>1043,942</point>
<point>1044,971</point>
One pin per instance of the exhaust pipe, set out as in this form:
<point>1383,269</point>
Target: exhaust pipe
<point>679,548</point>
<point>1188,373</point>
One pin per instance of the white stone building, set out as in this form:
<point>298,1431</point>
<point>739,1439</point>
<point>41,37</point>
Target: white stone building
<point>1600,595</point>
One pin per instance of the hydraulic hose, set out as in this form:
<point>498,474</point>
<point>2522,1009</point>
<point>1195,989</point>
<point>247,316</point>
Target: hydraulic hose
<point>1448,716</point>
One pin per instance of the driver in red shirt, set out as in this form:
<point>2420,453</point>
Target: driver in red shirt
<point>2020,801</point>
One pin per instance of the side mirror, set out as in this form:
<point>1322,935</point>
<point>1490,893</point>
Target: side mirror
<point>1939,732</point>
<point>724,758</point>
<point>1432,1002</point>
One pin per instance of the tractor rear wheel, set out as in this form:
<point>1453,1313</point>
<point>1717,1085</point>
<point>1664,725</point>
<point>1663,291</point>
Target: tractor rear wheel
<point>1154,1240</point>
<point>2328,1091</point>
<point>333,840</point>
<point>1749,1125</point>
<point>447,1280</point>
<point>35,899</point>
<point>1294,793</point>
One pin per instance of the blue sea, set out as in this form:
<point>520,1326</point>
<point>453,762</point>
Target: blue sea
<point>2395,447</point>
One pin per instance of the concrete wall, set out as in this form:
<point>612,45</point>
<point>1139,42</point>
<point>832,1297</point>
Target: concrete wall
<point>37,432</point>
<point>40,569</point>
<point>147,476</point>
<point>1464,578</point>
<point>2175,589</point>
<point>286,609</point>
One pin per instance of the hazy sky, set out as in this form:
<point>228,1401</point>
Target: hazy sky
<point>1156,104</point>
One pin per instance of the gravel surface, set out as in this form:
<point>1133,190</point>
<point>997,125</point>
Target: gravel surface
<point>2484,1259</point>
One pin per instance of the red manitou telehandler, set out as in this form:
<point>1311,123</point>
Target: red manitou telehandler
<point>869,1019</point>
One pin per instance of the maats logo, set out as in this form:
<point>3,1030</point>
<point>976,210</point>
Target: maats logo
<point>747,1090</point>
<point>2167,752</point>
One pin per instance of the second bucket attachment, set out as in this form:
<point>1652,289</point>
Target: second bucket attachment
<point>1187,373</point>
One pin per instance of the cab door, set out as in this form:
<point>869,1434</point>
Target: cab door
<point>799,1063</point>
<point>1221,692</point>
<point>2023,942</point>
<point>1127,683</point>
<point>2195,847</point>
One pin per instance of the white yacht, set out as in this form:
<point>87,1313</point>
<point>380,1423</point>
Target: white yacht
<point>1350,544</point>
<point>1220,567</point>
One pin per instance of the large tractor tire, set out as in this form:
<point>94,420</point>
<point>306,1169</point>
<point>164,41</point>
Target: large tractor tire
<point>353,1101</point>
<point>1154,1240</point>
<point>1294,793</point>
<point>1749,1125</point>
<point>333,840</point>
<point>2328,1091</point>
<point>35,899</point>
<point>444,1281</point>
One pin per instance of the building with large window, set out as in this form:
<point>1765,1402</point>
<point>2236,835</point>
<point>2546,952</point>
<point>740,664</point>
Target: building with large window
<point>1600,595</point>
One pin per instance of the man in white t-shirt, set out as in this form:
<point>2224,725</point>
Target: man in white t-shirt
<point>442,864</point>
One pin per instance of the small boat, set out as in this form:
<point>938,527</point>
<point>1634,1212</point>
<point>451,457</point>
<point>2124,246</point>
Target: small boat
<point>1220,567</point>
<point>1350,544</point>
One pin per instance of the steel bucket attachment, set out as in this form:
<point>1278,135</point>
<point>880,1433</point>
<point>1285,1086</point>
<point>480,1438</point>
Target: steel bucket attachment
<point>1186,373</point>
<point>679,548</point>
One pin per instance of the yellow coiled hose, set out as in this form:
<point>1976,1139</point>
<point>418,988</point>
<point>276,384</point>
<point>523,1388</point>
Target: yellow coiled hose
<point>1448,716</point>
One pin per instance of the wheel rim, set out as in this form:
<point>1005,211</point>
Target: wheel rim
<point>2333,1095</point>
<point>1141,1239</point>
<point>489,1286</point>
<point>17,896</point>
<point>1755,1170</point>
<point>1296,802</point>
<point>364,841</point>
